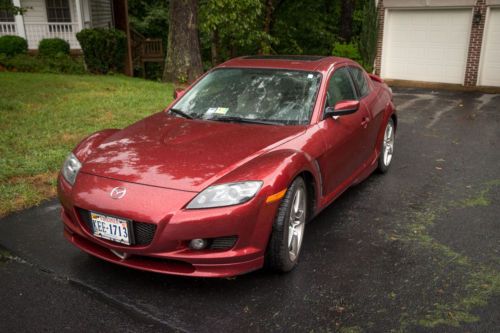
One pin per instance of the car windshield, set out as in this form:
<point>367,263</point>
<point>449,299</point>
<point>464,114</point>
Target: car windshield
<point>271,96</point>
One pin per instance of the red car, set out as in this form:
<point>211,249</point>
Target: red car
<point>223,181</point>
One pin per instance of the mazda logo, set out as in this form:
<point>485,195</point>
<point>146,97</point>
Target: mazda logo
<point>118,192</point>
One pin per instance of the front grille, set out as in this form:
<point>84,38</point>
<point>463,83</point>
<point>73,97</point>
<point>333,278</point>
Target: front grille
<point>222,243</point>
<point>143,232</point>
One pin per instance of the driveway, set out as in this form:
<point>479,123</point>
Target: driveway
<point>415,250</point>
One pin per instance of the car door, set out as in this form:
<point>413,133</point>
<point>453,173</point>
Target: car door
<point>374,111</point>
<point>342,136</point>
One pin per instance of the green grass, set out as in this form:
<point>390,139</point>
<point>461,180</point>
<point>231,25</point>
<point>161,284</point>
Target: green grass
<point>43,116</point>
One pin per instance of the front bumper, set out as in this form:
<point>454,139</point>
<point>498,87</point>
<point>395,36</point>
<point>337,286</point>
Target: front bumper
<point>168,251</point>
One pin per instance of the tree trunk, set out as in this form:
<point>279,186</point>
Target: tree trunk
<point>183,61</point>
<point>346,12</point>
<point>265,48</point>
<point>215,47</point>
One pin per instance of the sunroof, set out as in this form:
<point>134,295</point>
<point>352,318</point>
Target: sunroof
<point>284,57</point>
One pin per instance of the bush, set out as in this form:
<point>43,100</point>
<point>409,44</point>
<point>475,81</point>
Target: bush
<point>13,45</point>
<point>346,50</point>
<point>103,49</point>
<point>351,51</point>
<point>51,47</point>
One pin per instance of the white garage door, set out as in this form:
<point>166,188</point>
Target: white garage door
<point>426,45</point>
<point>490,62</point>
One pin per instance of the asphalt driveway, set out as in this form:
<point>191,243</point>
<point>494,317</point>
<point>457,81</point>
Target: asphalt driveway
<point>416,250</point>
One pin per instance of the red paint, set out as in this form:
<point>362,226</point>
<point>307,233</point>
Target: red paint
<point>164,161</point>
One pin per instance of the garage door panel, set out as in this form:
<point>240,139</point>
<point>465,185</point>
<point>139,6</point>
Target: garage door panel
<point>432,43</point>
<point>489,74</point>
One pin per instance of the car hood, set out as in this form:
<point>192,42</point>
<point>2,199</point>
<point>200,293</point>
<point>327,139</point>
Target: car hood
<point>182,154</point>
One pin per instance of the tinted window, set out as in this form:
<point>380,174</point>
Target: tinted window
<point>340,87</point>
<point>360,79</point>
<point>58,11</point>
<point>282,96</point>
<point>5,15</point>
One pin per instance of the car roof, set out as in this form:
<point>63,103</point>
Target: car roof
<point>292,62</point>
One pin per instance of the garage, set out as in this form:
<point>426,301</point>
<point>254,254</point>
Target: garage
<point>490,55</point>
<point>427,44</point>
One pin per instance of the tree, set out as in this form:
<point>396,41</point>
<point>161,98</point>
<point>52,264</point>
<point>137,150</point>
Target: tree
<point>369,34</point>
<point>346,13</point>
<point>183,61</point>
<point>232,27</point>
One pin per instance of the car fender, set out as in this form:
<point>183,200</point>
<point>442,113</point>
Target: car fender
<point>85,148</point>
<point>277,169</point>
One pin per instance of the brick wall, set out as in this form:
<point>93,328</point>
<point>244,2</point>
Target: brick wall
<point>475,43</point>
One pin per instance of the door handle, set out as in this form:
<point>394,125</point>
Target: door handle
<point>365,122</point>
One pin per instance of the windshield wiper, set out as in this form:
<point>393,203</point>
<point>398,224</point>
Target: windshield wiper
<point>245,120</point>
<point>181,113</point>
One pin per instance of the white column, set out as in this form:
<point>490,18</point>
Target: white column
<point>19,20</point>
<point>79,17</point>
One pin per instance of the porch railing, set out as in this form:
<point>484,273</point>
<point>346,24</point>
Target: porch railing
<point>35,32</point>
<point>8,28</point>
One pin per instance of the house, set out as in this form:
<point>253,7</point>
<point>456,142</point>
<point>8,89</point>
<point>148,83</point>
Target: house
<point>63,19</point>
<point>445,41</point>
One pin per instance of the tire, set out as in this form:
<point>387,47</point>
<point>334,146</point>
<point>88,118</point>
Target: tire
<point>284,249</point>
<point>387,147</point>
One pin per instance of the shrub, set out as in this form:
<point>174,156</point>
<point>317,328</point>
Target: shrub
<point>13,45</point>
<point>103,49</point>
<point>51,47</point>
<point>347,50</point>
<point>369,35</point>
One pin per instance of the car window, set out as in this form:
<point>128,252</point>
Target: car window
<point>273,95</point>
<point>340,87</point>
<point>360,79</point>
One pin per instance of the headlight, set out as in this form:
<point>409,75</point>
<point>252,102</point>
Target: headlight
<point>70,168</point>
<point>225,195</point>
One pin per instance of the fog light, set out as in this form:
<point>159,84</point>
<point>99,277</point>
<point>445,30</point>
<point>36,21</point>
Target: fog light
<point>198,244</point>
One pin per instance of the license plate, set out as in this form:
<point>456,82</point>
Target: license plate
<point>111,228</point>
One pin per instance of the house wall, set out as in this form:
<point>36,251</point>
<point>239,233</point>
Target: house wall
<point>102,13</point>
<point>37,12</point>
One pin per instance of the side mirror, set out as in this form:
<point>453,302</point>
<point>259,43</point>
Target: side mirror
<point>342,108</point>
<point>178,92</point>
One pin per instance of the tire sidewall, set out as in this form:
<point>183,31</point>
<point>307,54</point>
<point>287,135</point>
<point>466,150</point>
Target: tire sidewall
<point>381,165</point>
<point>277,256</point>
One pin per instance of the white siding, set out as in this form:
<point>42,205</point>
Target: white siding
<point>37,12</point>
<point>102,16</point>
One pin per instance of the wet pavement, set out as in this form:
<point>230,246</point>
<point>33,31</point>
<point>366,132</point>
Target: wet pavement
<point>415,250</point>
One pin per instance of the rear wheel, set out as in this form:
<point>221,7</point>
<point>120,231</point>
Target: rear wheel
<point>387,149</point>
<point>288,229</point>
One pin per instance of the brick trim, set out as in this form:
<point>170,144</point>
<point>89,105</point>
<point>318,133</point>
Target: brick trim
<point>380,37</point>
<point>475,45</point>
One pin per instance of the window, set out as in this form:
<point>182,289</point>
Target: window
<point>360,79</point>
<point>269,95</point>
<point>5,15</point>
<point>340,87</point>
<point>58,11</point>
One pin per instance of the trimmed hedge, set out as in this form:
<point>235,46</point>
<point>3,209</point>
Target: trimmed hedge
<point>51,47</point>
<point>103,49</point>
<point>13,45</point>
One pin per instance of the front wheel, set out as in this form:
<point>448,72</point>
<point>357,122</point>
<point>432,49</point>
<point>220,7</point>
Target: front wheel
<point>288,229</point>
<point>387,149</point>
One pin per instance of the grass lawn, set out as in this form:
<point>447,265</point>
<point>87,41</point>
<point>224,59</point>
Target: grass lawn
<point>43,116</point>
